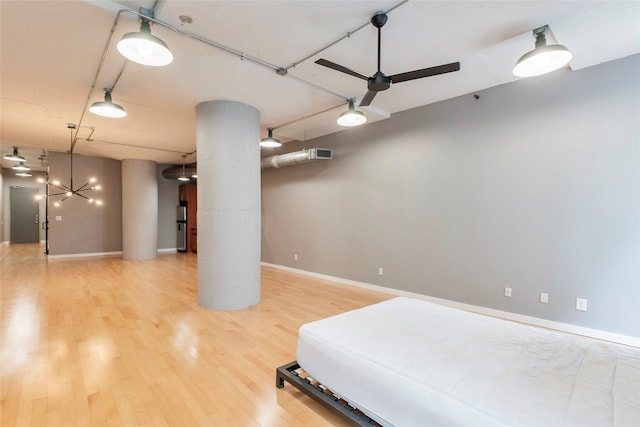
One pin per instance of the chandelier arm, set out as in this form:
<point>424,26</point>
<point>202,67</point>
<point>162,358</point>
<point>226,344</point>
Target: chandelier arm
<point>81,195</point>
<point>57,194</point>
<point>61,187</point>
<point>83,187</point>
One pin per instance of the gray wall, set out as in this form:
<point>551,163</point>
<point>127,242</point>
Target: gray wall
<point>2,206</point>
<point>9,179</point>
<point>535,186</point>
<point>167,202</point>
<point>105,228</point>
<point>86,228</point>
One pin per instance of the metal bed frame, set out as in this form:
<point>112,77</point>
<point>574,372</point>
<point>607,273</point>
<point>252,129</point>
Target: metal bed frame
<point>322,395</point>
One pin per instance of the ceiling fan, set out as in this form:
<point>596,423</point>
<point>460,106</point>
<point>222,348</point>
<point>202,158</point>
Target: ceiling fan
<point>379,81</point>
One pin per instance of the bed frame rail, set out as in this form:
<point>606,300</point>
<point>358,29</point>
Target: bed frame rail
<point>321,394</point>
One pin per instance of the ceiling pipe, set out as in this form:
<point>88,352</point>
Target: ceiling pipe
<point>149,15</point>
<point>345,36</point>
<point>279,70</point>
<point>283,71</point>
<point>242,55</point>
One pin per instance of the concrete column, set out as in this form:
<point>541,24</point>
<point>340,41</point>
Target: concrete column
<point>228,138</point>
<point>139,209</point>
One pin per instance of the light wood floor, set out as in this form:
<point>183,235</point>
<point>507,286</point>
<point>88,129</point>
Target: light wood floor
<point>111,342</point>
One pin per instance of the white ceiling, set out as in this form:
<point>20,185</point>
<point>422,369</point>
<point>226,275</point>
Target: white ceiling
<point>51,52</point>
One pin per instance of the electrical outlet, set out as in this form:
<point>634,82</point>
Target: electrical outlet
<point>507,292</point>
<point>581,304</point>
<point>295,257</point>
<point>544,297</point>
<point>380,271</point>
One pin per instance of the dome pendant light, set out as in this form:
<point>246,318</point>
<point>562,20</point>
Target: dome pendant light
<point>351,117</point>
<point>144,48</point>
<point>21,167</point>
<point>270,141</point>
<point>15,157</point>
<point>544,58</point>
<point>183,176</point>
<point>107,108</point>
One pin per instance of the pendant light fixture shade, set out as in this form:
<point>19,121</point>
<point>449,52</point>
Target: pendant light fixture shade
<point>107,108</point>
<point>183,176</point>
<point>21,167</point>
<point>270,141</point>
<point>351,117</point>
<point>15,157</point>
<point>144,48</point>
<point>544,58</point>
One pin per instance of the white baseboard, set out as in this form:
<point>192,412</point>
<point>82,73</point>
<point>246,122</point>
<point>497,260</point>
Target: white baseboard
<point>107,254</point>
<point>564,327</point>
<point>7,243</point>
<point>95,254</point>
<point>167,251</point>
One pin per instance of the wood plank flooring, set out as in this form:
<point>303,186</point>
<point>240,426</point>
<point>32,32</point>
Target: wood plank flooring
<point>112,342</point>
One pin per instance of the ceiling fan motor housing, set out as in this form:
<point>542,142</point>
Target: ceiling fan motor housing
<point>378,82</point>
<point>379,19</point>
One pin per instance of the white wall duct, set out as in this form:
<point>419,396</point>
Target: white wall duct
<point>277,161</point>
<point>289,159</point>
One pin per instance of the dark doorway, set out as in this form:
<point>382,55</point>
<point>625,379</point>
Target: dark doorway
<point>24,215</point>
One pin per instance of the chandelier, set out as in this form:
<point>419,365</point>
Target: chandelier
<point>66,191</point>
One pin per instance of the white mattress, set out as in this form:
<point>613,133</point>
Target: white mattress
<point>408,362</point>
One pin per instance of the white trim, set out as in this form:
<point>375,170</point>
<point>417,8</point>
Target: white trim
<point>108,254</point>
<point>104,254</point>
<point>6,242</point>
<point>564,327</point>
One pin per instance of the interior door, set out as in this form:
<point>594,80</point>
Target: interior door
<point>24,215</point>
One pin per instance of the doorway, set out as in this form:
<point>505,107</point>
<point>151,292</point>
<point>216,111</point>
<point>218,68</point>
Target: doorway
<point>24,215</point>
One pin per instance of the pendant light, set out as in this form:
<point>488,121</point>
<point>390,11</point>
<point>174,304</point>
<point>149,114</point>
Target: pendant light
<point>107,108</point>
<point>21,167</point>
<point>67,191</point>
<point>183,176</point>
<point>351,117</point>
<point>23,174</point>
<point>144,48</point>
<point>544,58</point>
<point>270,141</point>
<point>15,157</point>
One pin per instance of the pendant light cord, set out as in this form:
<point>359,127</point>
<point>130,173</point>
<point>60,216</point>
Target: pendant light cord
<point>71,127</point>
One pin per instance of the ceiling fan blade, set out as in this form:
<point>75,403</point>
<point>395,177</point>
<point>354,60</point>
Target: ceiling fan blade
<point>340,68</point>
<point>368,97</point>
<point>425,72</point>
